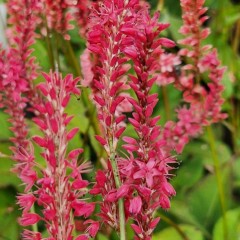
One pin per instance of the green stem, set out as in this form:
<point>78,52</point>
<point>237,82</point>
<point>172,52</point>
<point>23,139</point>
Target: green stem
<point>160,4</point>
<point>178,229</point>
<point>57,59</point>
<point>34,226</point>
<point>219,179</point>
<point>120,201</point>
<point>49,47</point>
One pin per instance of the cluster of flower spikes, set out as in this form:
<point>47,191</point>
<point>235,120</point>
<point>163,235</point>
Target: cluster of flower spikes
<point>120,31</point>
<point>18,70</point>
<point>22,23</point>
<point>203,101</point>
<point>60,188</point>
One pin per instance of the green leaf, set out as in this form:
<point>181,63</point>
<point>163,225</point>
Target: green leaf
<point>9,227</point>
<point>5,132</point>
<point>100,236</point>
<point>189,173</point>
<point>191,232</point>
<point>76,108</point>
<point>233,223</point>
<point>201,150</point>
<point>40,52</point>
<point>7,176</point>
<point>204,201</point>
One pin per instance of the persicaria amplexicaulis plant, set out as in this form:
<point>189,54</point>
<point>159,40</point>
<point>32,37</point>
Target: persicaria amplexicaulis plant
<point>125,59</point>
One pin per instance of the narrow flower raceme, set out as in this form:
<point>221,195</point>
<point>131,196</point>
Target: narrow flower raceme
<point>145,173</point>
<point>82,11</point>
<point>108,25</point>
<point>22,23</point>
<point>203,101</point>
<point>166,65</point>
<point>58,16</point>
<point>60,189</point>
<point>12,89</point>
<point>18,73</point>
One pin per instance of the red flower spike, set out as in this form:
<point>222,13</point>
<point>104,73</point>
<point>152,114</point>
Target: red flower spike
<point>204,106</point>
<point>57,178</point>
<point>147,167</point>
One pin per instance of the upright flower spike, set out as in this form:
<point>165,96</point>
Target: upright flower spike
<point>204,102</point>
<point>22,23</point>
<point>193,18</point>
<point>58,16</point>
<point>109,23</point>
<point>145,173</point>
<point>82,10</point>
<point>18,73</point>
<point>61,186</point>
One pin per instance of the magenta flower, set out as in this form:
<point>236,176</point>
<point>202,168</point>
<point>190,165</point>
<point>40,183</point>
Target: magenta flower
<point>82,11</point>
<point>204,103</point>
<point>58,16</point>
<point>145,171</point>
<point>107,40</point>
<point>29,219</point>
<point>60,187</point>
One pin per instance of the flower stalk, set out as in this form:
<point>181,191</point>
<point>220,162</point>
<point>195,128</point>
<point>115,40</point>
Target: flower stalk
<point>218,174</point>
